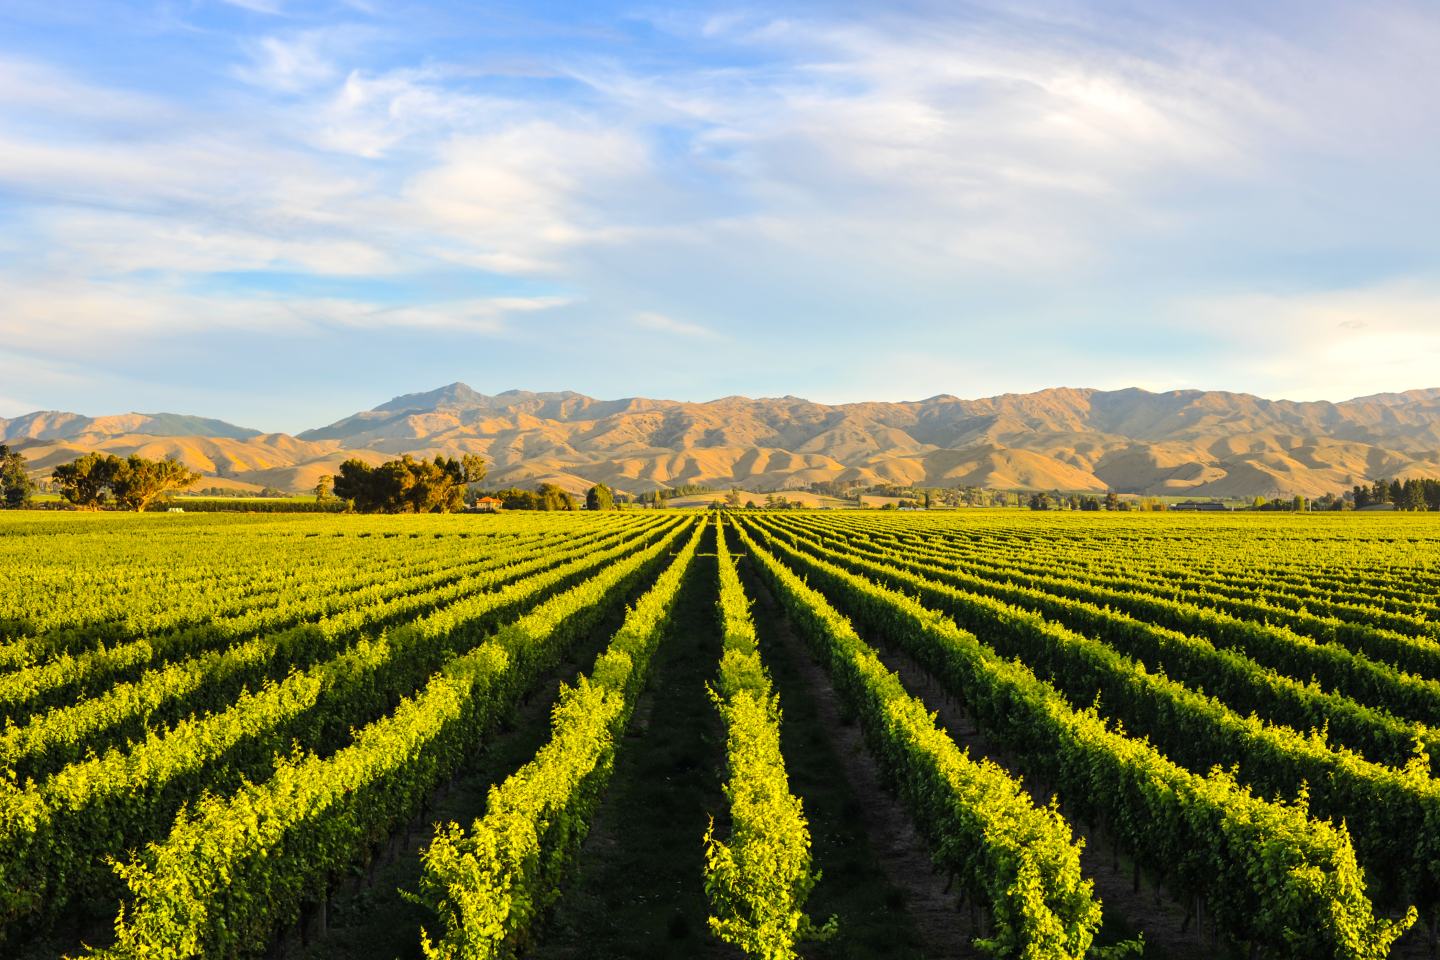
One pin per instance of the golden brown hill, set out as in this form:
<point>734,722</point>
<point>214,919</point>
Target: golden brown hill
<point>1133,441</point>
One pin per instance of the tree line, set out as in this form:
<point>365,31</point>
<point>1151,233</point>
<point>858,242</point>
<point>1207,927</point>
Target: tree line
<point>1412,494</point>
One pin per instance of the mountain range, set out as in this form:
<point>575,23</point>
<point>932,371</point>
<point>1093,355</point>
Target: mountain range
<point>1188,442</point>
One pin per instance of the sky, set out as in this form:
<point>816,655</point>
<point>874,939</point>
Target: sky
<point>280,212</point>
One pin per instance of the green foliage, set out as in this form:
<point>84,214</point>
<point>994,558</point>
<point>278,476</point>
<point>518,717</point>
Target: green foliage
<point>86,480</point>
<point>1389,808</point>
<point>233,868</point>
<point>600,497</point>
<point>547,496</point>
<point>16,488</point>
<point>134,483</point>
<point>408,485</point>
<point>489,885</point>
<point>1019,860</point>
<point>1269,874</point>
<point>758,879</point>
<point>90,808</point>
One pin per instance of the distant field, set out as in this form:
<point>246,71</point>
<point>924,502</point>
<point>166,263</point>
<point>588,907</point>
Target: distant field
<point>266,718</point>
<point>793,496</point>
<point>293,498</point>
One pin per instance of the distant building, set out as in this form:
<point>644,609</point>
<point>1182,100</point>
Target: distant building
<point>1197,505</point>
<point>489,504</point>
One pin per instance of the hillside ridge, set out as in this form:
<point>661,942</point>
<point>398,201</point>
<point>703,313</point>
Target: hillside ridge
<point>1189,442</point>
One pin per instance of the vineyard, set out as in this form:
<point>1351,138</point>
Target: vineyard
<point>655,733</point>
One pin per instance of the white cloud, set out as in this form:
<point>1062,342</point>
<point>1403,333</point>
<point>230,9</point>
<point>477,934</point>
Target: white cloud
<point>272,7</point>
<point>665,324</point>
<point>513,200</point>
<point>292,64</point>
<point>92,318</point>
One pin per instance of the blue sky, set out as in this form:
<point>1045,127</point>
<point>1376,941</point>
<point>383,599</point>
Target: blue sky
<point>280,212</point>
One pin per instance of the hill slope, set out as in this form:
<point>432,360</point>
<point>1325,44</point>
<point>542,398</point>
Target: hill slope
<point>1182,442</point>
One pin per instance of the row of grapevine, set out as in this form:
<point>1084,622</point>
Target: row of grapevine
<point>212,680</point>
<point>1352,556</point>
<point>53,835</point>
<point>490,884</point>
<point>1341,596</point>
<point>758,878</point>
<point>66,676</point>
<point>281,592</point>
<point>1269,874</point>
<point>233,870</point>
<point>1417,650</point>
<point>1334,667</point>
<point>132,581</point>
<point>1393,815</point>
<point>1018,859</point>
<point>1240,682</point>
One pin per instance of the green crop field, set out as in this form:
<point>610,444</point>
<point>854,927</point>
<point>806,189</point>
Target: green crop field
<point>825,734</point>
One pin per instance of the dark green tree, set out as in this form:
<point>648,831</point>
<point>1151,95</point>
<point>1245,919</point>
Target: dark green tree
<point>1414,495</point>
<point>16,488</point>
<point>553,497</point>
<point>408,485</point>
<point>139,482</point>
<point>600,497</point>
<point>85,481</point>
<point>517,499</point>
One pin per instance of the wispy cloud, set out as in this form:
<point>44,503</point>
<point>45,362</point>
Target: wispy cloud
<point>272,7</point>
<point>664,324</point>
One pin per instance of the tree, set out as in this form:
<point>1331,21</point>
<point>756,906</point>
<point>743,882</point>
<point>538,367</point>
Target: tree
<point>517,499</point>
<point>85,481</point>
<point>600,497</point>
<point>140,482</point>
<point>323,487</point>
<point>16,487</point>
<point>552,497</point>
<point>1414,495</point>
<point>1300,504</point>
<point>1040,501</point>
<point>732,499</point>
<point>135,483</point>
<point>408,485</point>
<point>1112,500</point>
